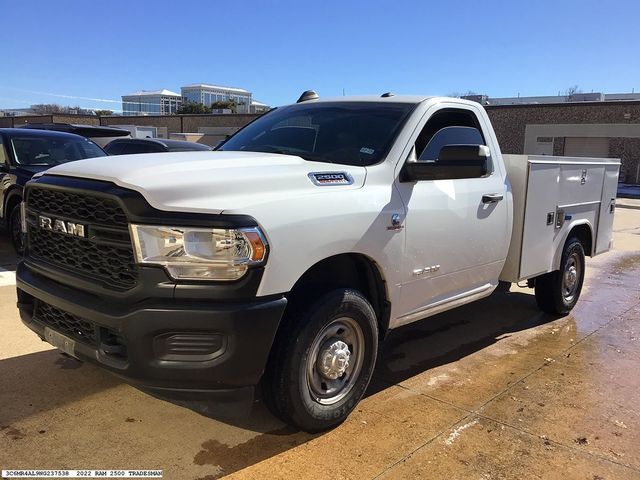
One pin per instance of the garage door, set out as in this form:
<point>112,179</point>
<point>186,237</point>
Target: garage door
<point>586,147</point>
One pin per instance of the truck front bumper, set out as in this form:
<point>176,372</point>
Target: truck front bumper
<point>181,348</point>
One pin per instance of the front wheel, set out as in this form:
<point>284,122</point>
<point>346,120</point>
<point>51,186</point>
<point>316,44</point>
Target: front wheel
<point>323,361</point>
<point>558,292</point>
<point>15,229</point>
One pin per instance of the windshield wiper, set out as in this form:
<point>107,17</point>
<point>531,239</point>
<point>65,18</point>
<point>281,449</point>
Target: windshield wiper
<point>314,158</point>
<point>284,151</point>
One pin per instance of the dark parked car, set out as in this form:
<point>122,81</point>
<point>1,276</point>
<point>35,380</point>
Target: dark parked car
<point>98,134</point>
<point>127,146</point>
<point>25,152</point>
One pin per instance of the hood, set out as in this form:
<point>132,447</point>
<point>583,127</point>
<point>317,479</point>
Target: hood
<point>33,169</point>
<point>210,182</point>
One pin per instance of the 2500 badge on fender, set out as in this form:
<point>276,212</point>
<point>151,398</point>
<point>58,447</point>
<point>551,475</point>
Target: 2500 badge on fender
<point>61,226</point>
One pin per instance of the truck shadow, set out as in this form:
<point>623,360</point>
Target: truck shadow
<point>427,344</point>
<point>452,335</point>
<point>46,381</point>
<point>439,340</point>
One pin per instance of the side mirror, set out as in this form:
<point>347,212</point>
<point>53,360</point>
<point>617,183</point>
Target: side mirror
<point>454,161</point>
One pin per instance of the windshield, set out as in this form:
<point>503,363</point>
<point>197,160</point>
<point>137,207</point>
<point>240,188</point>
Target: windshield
<point>53,150</point>
<point>348,133</point>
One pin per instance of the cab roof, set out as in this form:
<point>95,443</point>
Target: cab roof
<point>387,98</point>
<point>32,132</point>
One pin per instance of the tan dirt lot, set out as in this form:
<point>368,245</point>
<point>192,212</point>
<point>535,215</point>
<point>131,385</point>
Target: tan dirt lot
<point>493,390</point>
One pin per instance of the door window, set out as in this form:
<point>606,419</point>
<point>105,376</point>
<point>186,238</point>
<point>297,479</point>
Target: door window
<point>134,148</point>
<point>3,154</point>
<point>448,127</point>
<point>114,148</point>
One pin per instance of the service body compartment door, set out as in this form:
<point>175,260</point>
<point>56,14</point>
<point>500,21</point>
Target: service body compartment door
<point>604,235</point>
<point>551,196</point>
<point>539,219</point>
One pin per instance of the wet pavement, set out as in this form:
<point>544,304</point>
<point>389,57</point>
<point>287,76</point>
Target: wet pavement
<point>492,390</point>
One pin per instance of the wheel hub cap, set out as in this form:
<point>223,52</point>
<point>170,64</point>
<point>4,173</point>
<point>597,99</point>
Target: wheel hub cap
<point>570,277</point>
<point>333,359</point>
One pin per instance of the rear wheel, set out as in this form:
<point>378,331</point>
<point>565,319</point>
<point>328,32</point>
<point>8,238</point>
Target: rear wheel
<point>15,229</point>
<point>323,361</point>
<point>558,292</point>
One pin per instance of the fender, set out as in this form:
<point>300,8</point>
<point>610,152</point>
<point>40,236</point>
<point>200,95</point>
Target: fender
<point>9,195</point>
<point>558,255</point>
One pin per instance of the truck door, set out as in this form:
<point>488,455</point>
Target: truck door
<point>457,230</point>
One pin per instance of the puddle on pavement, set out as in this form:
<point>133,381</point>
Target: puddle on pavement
<point>448,337</point>
<point>226,459</point>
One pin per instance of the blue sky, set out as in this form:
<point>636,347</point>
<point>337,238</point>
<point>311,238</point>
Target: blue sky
<point>277,49</point>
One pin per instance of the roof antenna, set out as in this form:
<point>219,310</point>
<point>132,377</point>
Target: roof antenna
<point>387,95</point>
<point>308,95</point>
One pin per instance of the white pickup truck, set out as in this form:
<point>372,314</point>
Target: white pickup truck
<point>283,258</point>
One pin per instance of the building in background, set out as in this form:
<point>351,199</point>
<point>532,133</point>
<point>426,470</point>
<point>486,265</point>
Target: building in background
<point>17,112</point>
<point>609,128</point>
<point>542,100</point>
<point>209,94</point>
<point>151,102</point>
<point>259,107</point>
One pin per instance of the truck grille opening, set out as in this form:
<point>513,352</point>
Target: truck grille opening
<point>65,323</point>
<point>87,208</point>
<point>104,254</point>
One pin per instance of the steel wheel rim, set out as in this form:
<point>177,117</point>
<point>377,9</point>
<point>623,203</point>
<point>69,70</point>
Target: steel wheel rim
<point>571,278</point>
<point>327,359</point>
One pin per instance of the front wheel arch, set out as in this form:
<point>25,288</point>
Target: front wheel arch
<point>347,270</point>
<point>14,197</point>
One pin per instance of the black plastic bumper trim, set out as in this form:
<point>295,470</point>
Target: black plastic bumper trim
<point>249,329</point>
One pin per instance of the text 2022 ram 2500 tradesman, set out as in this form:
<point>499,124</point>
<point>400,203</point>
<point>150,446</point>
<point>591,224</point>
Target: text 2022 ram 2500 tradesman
<point>283,258</point>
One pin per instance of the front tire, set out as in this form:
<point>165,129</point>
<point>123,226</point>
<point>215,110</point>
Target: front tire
<point>323,361</point>
<point>15,229</point>
<point>558,292</point>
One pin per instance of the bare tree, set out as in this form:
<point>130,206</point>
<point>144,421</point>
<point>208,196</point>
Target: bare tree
<point>571,91</point>
<point>47,108</point>
<point>468,93</point>
<point>52,108</point>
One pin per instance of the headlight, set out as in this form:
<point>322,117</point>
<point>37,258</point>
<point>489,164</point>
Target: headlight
<point>199,253</point>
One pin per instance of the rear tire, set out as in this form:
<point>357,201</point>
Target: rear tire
<point>558,292</point>
<point>15,229</point>
<point>323,361</point>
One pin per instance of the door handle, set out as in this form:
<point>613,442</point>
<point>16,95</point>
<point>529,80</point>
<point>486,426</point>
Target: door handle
<point>491,197</point>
